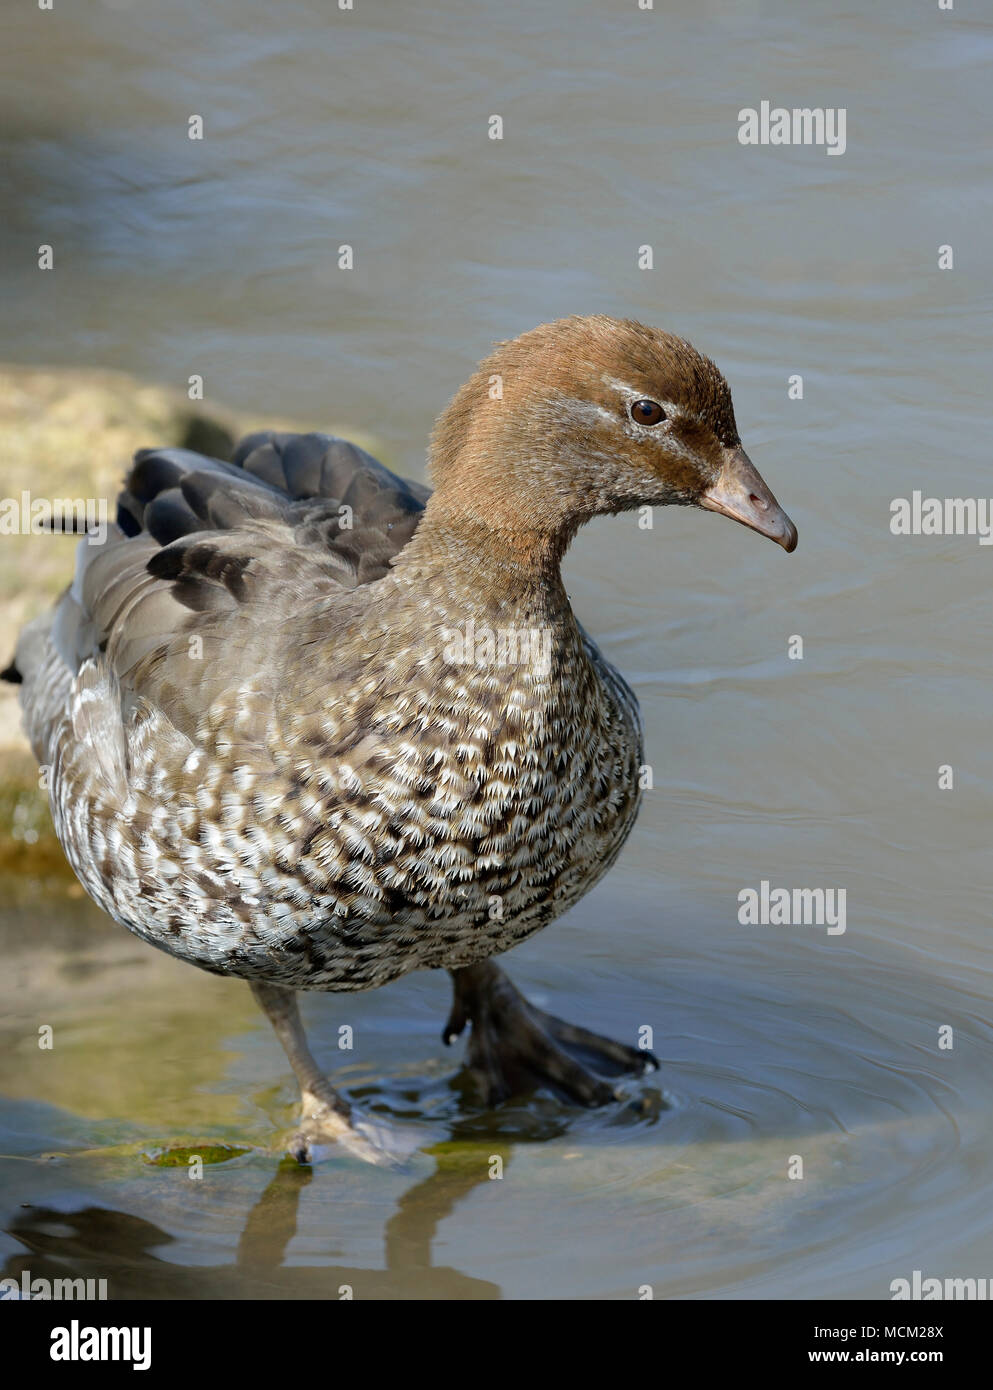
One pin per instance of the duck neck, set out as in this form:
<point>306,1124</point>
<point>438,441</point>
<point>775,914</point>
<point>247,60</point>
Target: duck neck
<point>494,554</point>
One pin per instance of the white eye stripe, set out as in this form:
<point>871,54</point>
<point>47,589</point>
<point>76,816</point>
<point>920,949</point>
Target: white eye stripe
<point>629,395</point>
<point>582,412</point>
<point>585,412</point>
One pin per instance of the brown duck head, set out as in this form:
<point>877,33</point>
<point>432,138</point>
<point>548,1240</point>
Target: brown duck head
<point>590,415</point>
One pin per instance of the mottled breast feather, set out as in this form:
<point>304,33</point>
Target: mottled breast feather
<point>265,758</point>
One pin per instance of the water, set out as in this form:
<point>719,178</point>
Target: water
<point>219,257</point>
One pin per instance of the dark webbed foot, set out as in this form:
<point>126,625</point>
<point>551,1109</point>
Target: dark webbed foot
<point>515,1047</point>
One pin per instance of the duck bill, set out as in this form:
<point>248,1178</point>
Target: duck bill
<point>740,493</point>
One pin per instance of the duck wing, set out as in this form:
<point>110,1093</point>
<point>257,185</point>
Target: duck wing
<point>209,562</point>
<point>339,502</point>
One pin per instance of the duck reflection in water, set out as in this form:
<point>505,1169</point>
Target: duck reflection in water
<point>98,1243</point>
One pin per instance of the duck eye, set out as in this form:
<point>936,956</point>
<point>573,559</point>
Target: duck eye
<point>647,412</point>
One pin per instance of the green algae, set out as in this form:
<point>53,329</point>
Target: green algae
<point>182,1157</point>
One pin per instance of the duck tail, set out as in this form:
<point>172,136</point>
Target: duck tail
<point>30,650</point>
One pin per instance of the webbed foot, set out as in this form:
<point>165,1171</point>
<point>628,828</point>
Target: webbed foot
<point>327,1122</point>
<point>515,1047</point>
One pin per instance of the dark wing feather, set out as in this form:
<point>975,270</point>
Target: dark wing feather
<point>335,496</point>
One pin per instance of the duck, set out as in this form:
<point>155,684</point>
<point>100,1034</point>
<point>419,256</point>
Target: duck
<point>314,725</point>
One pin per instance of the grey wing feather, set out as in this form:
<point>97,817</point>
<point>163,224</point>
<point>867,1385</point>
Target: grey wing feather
<point>224,553</point>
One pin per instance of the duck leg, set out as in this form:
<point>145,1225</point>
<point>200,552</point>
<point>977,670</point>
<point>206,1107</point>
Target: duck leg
<point>325,1117</point>
<point>515,1047</point>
